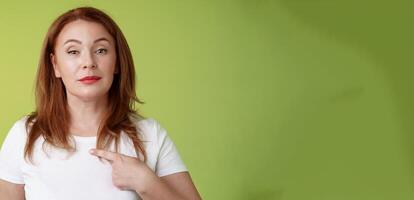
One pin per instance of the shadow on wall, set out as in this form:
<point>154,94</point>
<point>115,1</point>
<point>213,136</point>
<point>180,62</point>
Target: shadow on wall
<point>325,132</point>
<point>383,28</point>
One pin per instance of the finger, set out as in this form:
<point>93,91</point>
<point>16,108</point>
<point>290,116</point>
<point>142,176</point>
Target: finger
<point>108,155</point>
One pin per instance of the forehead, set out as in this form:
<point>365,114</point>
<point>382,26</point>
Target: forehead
<point>83,31</point>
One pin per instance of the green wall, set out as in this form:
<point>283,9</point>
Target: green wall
<point>289,99</point>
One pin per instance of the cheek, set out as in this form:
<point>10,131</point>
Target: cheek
<point>107,63</point>
<point>108,83</point>
<point>106,68</point>
<point>68,74</point>
<point>67,66</point>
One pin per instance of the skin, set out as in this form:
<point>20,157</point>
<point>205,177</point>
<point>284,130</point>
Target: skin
<point>83,49</point>
<point>11,191</point>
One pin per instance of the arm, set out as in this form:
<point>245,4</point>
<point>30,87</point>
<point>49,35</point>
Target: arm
<point>177,186</point>
<point>129,173</point>
<point>11,191</point>
<point>11,157</point>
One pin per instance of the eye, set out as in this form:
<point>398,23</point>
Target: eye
<point>101,51</point>
<point>73,52</point>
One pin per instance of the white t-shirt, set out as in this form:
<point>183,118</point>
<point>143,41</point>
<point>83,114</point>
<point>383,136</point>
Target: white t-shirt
<point>82,176</point>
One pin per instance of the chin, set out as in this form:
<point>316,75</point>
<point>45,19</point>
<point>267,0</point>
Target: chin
<point>89,96</point>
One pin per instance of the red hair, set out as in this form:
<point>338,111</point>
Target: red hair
<point>51,118</point>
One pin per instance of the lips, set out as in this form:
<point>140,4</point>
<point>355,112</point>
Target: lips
<point>88,80</point>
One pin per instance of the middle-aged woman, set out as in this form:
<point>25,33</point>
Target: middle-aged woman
<point>85,140</point>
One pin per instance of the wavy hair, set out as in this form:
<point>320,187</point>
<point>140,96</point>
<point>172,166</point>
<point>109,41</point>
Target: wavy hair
<point>51,118</point>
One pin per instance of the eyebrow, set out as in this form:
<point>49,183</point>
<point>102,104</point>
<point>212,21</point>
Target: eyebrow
<point>79,42</point>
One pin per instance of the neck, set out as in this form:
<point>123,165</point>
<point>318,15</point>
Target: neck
<point>86,115</point>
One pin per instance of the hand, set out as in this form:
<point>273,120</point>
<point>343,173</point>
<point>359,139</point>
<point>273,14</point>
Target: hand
<point>128,173</point>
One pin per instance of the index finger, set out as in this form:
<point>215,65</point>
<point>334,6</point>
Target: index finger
<point>108,155</point>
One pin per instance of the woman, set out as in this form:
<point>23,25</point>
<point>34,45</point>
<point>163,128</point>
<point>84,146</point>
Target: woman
<point>85,140</point>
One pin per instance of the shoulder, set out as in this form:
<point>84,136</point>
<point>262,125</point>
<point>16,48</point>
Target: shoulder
<point>19,127</point>
<point>150,128</point>
<point>147,126</point>
<point>16,136</point>
<point>20,122</point>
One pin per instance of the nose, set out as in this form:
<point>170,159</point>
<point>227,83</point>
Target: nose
<point>88,61</point>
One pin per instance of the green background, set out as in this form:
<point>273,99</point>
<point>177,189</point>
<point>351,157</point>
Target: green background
<point>288,99</point>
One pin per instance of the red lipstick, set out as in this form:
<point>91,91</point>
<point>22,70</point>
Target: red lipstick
<point>89,79</point>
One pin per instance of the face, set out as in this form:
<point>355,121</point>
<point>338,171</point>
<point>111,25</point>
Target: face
<point>84,58</point>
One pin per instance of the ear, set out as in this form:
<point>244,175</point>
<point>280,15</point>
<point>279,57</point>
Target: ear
<point>116,70</point>
<point>55,68</point>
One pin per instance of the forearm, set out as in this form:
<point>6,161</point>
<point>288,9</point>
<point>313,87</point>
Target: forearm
<point>11,191</point>
<point>156,189</point>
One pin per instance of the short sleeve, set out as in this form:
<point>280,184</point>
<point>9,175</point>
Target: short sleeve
<point>11,154</point>
<point>168,160</point>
